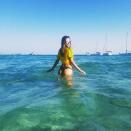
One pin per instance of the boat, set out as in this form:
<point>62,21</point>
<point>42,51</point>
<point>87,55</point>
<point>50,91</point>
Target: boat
<point>107,53</point>
<point>96,54</point>
<point>127,53</point>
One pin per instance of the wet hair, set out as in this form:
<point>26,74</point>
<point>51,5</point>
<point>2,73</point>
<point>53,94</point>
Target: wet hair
<point>63,40</point>
<point>62,43</point>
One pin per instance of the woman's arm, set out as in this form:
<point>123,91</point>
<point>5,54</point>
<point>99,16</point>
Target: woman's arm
<point>53,67</point>
<point>77,67</point>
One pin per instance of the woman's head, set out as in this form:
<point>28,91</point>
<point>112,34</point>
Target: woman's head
<point>65,41</point>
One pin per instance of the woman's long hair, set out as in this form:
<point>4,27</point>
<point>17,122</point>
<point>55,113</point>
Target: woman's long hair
<point>63,40</point>
<point>62,44</point>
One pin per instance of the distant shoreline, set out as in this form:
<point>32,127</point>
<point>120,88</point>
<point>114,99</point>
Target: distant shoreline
<point>56,55</point>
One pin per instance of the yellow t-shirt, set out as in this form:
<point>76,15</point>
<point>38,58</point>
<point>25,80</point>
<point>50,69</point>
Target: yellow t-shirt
<point>67,57</point>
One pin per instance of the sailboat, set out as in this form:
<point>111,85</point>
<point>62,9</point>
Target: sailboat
<point>127,53</point>
<point>106,52</point>
<point>97,53</point>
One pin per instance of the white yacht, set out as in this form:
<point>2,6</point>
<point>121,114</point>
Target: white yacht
<point>107,53</point>
<point>96,54</point>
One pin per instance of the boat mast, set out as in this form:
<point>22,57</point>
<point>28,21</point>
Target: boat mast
<point>126,41</point>
<point>105,45</point>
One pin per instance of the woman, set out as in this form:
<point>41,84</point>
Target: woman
<point>66,56</point>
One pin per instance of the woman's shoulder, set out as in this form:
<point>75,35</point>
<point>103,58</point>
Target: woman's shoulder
<point>69,49</point>
<point>60,52</point>
<point>70,52</point>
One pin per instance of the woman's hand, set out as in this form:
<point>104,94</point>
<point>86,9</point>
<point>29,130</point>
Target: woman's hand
<point>56,62</point>
<point>83,72</point>
<point>49,70</point>
<point>78,68</point>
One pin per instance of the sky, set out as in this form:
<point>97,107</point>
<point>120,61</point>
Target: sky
<point>38,25</point>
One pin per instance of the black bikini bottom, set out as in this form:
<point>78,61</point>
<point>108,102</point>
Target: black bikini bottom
<point>62,68</point>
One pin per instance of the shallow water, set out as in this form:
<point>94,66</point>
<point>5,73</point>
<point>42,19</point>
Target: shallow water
<point>33,100</point>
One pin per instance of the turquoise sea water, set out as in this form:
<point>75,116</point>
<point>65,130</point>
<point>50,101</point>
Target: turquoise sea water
<point>33,100</point>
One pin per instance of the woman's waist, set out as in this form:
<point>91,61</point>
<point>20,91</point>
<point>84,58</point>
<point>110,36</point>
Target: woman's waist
<point>66,62</point>
<point>67,66</point>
